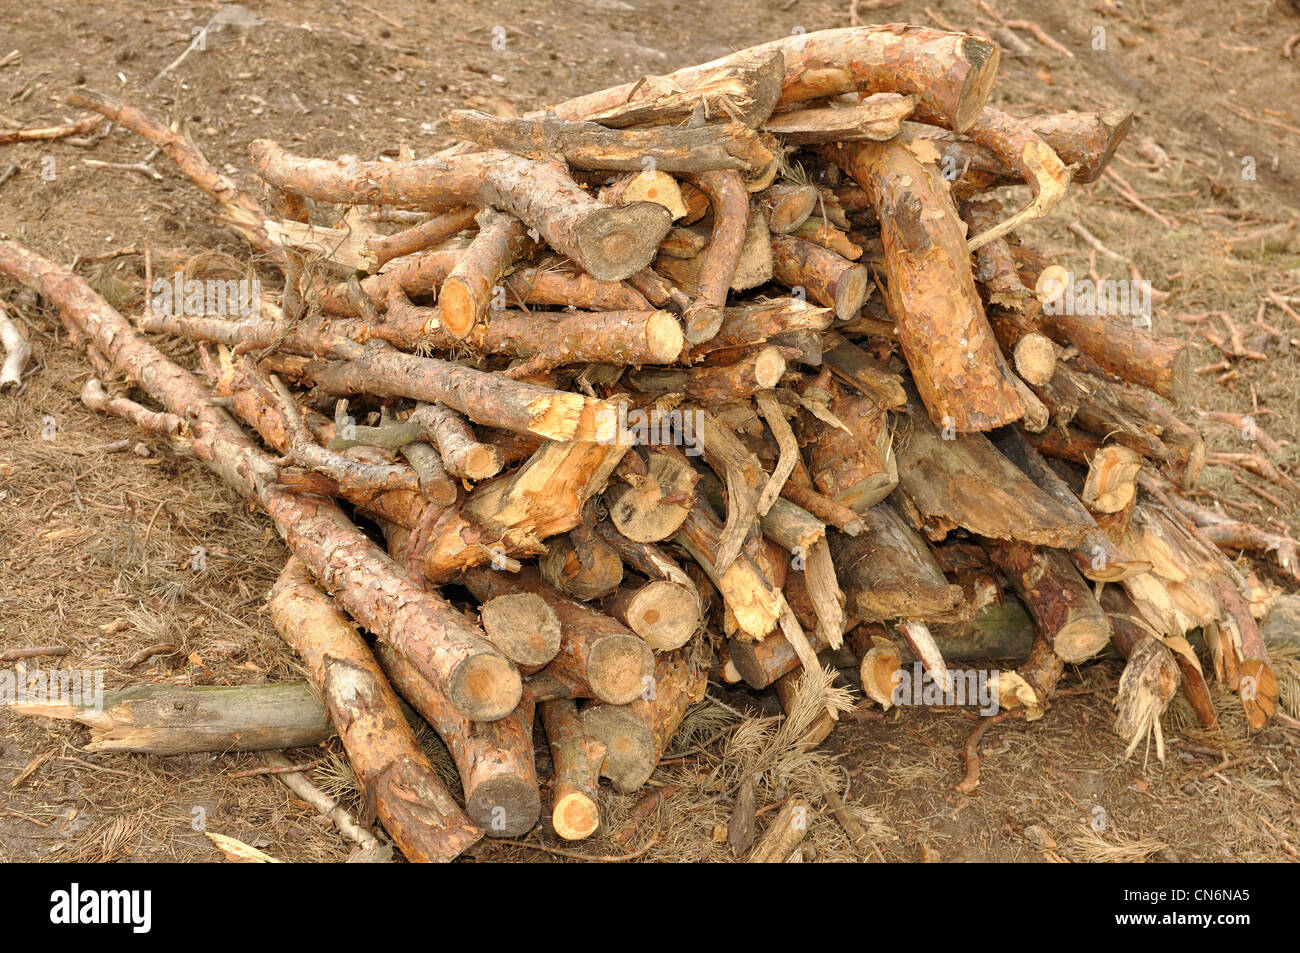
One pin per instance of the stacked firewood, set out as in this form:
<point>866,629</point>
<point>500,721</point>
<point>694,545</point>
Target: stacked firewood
<point>708,372</point>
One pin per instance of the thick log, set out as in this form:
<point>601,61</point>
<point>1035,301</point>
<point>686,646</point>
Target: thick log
<point>636,735</point>
<point>585,569</point>
<point>495,760</point>
<point>524,627</point>
<point>649,507</point>
<point>949,73</point>
<point>647,186</point>
<point>1117,346</point>
<point>609,243</point>
<point>939,319</point>
<point>889,573</point>
<point>786,205</point>
<point>608,661</point>
<point>1057,597</point>
<point>575,808</point>
<point>964,481</point>
<point>417,811</point>
<point>664,613</point>
<point>819,274</point>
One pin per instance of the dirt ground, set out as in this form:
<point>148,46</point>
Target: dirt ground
<point>97,547</point>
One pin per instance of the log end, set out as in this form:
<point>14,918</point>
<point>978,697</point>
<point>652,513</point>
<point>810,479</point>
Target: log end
<point>850,292</point>
<point>629,745</point>
<point>456,307</point>
<point>983,56</point>
<point>619,668</point>
<point>575,816</point>
<point>1034,357</point>
<point>769,366</point>
<point>523,626</point>
<point>485,687</point>
<point>504,806</point>
<point>664,338</point>
<point>616,242</point>
<point>665,614</point>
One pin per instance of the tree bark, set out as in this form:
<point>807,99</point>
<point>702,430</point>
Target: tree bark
<point>575,807</point>
<point>822,275</point>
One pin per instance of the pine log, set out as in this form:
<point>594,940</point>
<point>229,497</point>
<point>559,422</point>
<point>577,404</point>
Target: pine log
<point>877,117</point>
<point>664,613</point>
<point>939,319</point>
<point>752,603</point>
<point>609,243</point>
<point>589,145</point>
<point>636,735</point>
<point>607,660</point>
<point>1140,357</point>
<point>818,274</point>
<point>524,627</point>
<point>856,466</point>
<point>855,367</point>
<point>756,323</point>
<point>511,514</point>
<point>730,202</point>
<point>889,573</point>
<point>964,481</point>
<point>397,778</point>
<point>468,289</point>
<point>585,570</point>
<point>949,73</point>
<point>786,205</point>
<point>169,719</point>
<point>647,185</point>
<point>821,232</point>
<point>575,809</point>
<point>462,453</point>
<point>650,507</point>
<point>760,369</point>
<point>1111,485</point>
<point>495,760</point>
<point>1057,597</point>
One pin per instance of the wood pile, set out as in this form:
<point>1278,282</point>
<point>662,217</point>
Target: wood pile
<point>706,373</point>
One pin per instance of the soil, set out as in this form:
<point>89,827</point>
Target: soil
<point>109,552</point>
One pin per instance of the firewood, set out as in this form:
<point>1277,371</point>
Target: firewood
<point>878,672</point>
<point>888,573</point>
<point>1061,603</point>
<point>652,507</point>
<point>854,465</point>
<point>786,205</point>
<point>854,366</point>
<point>17,352</point>
<point>575,809</point>
<point>937,477</point>
<point>495,759</point>
<point>955,362</point>
<point>949,73</point>
<point>417,811</point>
<point>596,652</point>
<point>752,603</point>
<point>1111,486</point>
<point>666,614</point>
<point>819,274</point>
<point>462,453</point>
<point>169,719</point>
<point>589,145</point>
<point>467,290</point>
<point>821,232</point>
<point>730,203</point>
<point>876,117</point>
<point>610,243</point>
<point>524,627</point>
<point>585,570</point>
<point>636,735</point>
<point>782,837</point>
<point>762,368</point>
<point>374,589</point>
<point>647,185</point>
<point>757,323</point>
<point>1159,364</point>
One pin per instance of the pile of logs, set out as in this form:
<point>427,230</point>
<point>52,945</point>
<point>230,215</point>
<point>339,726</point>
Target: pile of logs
<point>703,374</point>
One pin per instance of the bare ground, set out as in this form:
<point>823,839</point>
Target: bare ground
<point>97,548</point>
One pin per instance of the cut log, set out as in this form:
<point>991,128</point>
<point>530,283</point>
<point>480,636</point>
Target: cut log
<point>853,466</point>
<point>877,117</point>
<point>821,232</point>
<point>855,367</point>
<point>1116,345</point>
<point>575,809</point>
<point>666,614</point>
<point>782,837</point>
<point>889,573</point>
<point>396,776</point>
<point>964,481</point>
<point>786,205</point>
<point>468,290</point>
<point>1111,486</point>
<point>879,672</point>
<point>757,323</point>
<point>495,759</point>
<point>610,662</point>
<point>818,274</point>
<point>462,453</point>
<point>752,604</point>
<point>949,73</point>
<point>730,202</point>
<point>761,369</point>
<point>950,348</point>
<point>637,734</point>
<point>524,627</point>
<point>168,719</point>
<point>586,570</point>
<point>651,507</point>
<point>647,186</point>
<point>609,243</point>
<point>1057,597</point>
